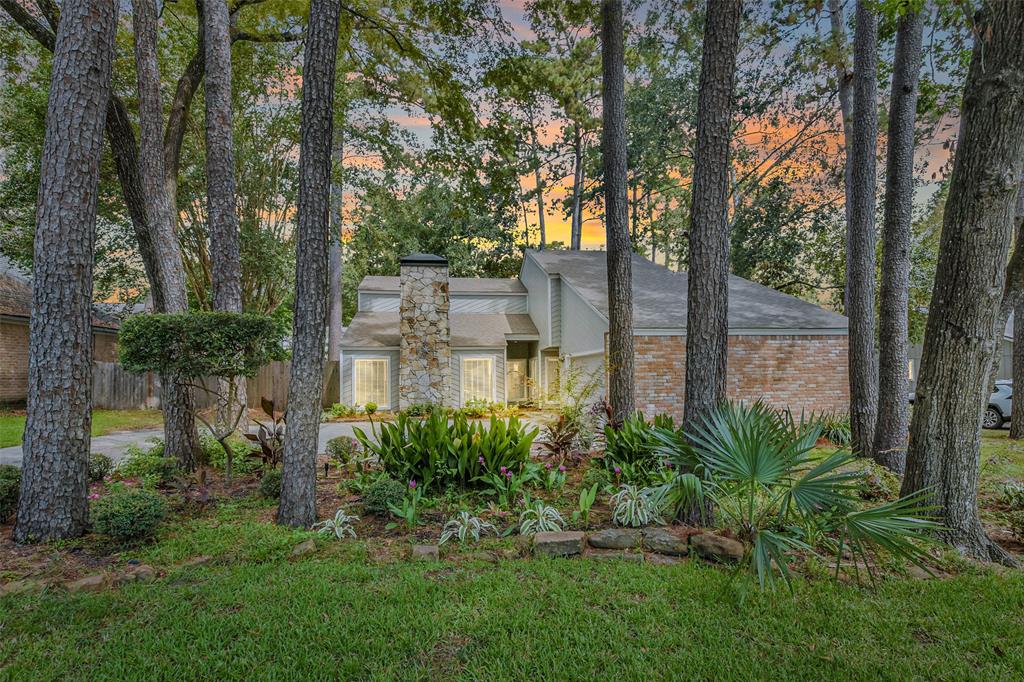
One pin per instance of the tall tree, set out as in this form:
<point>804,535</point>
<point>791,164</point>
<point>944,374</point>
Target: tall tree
<point>620,249</point>
<point>298,483</point>
<point>180,436</point>
<point>844,83</point>
<point>945,434</point>
<point>860,233</point>
<point>1017,417</point>
<point>225,258</point>
<point>54,482</point>
<point>707,324</point>
<point>893,323</point>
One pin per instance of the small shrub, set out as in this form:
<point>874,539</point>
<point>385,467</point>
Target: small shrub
<point>539,517</point>
<point>835,428</point>
<point>380,496</point>
<point>560,436</point>
<point>340,526</point>
<point>343,449</point>
<point>1016,522</point>
<point>425,409</point>
<point>270,484</point>
<point>341,410</point>
<point>466,526</point>
<point>10,484</point>
<point>370,408</point>
<point>128,514</point>
<point>630,450</point>
<point>152,469</point>
<point>100,467</point>
<point>1012,495</point>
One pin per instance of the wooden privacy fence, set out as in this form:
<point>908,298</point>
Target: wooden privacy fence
<point>113,388</point>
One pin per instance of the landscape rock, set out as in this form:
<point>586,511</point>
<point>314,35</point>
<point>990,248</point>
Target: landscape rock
<point>663,560</point>
<point>664,541</point>
<point>304,548</point>
<point>21,586</point>
<point>91,583</point>
<point>613,554</point>
<point>615,538</point>
<point>200,560</point>
<point>717,548</point>
<point>425,553</point>
<point>143,573</point>
<point>558,543</point>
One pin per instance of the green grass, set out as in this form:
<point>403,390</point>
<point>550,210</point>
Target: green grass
<point>254,613</point>
<point>103,422</point>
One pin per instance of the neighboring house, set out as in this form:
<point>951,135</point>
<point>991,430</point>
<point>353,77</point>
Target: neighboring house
<point>424,337</point>
<point>15,307</point>
<point>1005,357</point>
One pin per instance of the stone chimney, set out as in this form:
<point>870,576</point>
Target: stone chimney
<point>424,365</point>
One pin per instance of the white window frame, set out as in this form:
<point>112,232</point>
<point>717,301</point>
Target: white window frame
<point>387,379</point>
<point>462,375</point>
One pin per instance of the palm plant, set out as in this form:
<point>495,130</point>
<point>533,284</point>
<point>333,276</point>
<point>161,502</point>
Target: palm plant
<point>756,466</point>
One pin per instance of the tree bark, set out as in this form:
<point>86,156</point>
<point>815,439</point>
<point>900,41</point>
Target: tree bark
<point>891,430</point>
<point>1017,416</point>
<point>576,222</point>
<point>1013,290</point>
<point>620,250</point>
<point>298,483</point>
<point>225,259</point>
<point>180,436</point>
<point>945,435</point>
<point>54,482</point>
<point>860,234</point>
<point>844,80</point>
<point>335,264</point>
<point>539,180</point>
<point>707,324</point>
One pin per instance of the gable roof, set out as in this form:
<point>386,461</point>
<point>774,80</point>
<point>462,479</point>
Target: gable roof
<point>381,330</point>
<point>16,296</point>
<point>659,295</point>
<point>456,285</point>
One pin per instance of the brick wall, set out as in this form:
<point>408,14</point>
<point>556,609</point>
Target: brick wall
<point>14,358</point>
<point>799,372</point>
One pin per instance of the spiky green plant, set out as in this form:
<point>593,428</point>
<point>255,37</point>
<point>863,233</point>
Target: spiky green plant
<point>340,526</point>
<point>539,518</point>
<point>757,467</point>
<point>636,507</point>
<point>466,526</point>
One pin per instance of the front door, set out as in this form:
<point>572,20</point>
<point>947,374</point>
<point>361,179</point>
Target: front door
<point>515,382</point>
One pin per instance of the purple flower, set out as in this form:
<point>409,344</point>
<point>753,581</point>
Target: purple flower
<point>480,459</point>
<point>504,470</point>
<point>94,496</point>
<point>618,471</point>
<point>561,467</point>
<point>548,465</point>
<point>412,483</point>
<point>508,474</point>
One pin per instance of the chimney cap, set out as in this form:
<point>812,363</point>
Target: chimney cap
<point>423,259</point>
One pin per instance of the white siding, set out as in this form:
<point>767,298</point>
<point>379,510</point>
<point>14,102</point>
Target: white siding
<point>378,302</point>
<point>348,356</point>
<point>482,304</point>
<point>556,311</point>
<point>538,285</point>
<point>582,328</point>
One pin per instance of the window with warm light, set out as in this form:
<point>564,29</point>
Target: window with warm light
<point>477,379</point>
<point>370,383</point>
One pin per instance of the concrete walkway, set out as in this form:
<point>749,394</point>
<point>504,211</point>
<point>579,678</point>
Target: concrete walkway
<point>114,445</point>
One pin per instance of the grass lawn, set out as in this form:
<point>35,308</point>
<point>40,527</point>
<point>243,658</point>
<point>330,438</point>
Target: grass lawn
<point>103,421</point>
<point>347,613</point>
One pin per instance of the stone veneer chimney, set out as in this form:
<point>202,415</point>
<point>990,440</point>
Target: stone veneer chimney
<point>425,353</point>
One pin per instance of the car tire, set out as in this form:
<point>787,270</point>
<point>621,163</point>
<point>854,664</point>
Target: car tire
<point>992,419</point>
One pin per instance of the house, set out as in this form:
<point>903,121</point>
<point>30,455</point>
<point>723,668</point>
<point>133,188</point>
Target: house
<point>15,308</point>
<point>426,337</point>
<point>1005,370</point>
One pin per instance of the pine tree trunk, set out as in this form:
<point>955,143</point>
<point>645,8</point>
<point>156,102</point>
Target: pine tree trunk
<point>180,436</point>
<point>225,261</point>
<point>844,79</point>
<point>539,180</point>
<point>707,324</point>
<point>891,431</point>
<point>298,483</point>
<point>860,234</point>
<point>334,262</point>
<point>1013,290</point>
<point>54,482</point>
<point>1017,416</point>
<point>620,251</point>
<point>945,433</point>
<point>576,222</point>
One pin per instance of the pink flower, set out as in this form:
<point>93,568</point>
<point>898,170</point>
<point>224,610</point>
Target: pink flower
<point>480,459</point>
<point>548,465</point>
<point>618,471</point>
<point>504,470</point>
<point>508,474</point>
<point>94,496</point>
<point>561,467</point>
<point>412,484</point>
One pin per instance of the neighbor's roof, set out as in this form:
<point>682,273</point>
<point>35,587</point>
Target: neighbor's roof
<point>380,330</point>
<point>659,295</point>
<point>16,296</point>
<point>456,285</point>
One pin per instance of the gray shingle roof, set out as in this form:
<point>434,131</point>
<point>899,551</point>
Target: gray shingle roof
<point>380,330</point>
<point>16,296</point>
<point>456,285</point>
<point>659,295</point>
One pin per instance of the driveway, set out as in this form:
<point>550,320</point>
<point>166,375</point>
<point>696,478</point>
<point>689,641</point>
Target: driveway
<point>114,445</point>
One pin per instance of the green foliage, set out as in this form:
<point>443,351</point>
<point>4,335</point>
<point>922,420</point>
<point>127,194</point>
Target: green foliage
<point>757,467</point>
<point>381,495</point>
<point>200,344</point>
<point>341,526</point>
<point>630,448</point>
<point>370,408</point>
<point>10,486</point>
<point>149,466</point>
<point>636,507</point>
<point>100,466</point>
<point>539,517</point>
<point>560,436</point>
<point>434,453</point>
<point>1012,495</point>
<point>128,514</point>
<point>268,441</point>
<point>341,410</point>
<point>343,449</point>
<point>835,428</point>
<point>1016,523</point>
<point>585,503</point>
<point>465,526</point>
<point>409,508</point>
<point>270,484</point>
<point>876,482</point>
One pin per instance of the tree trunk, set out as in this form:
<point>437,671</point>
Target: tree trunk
<point>334,260</point>
<point>225,261</point>
<point>707,324</point>
<point>620,250</point>
<point>890,447</point>
<point>844,79</point>
<point>576,224</point>
<point>860,235</point>
<point>1017,416</point>
<point>54,482</point>
<point>180,435</point>
<point>945,434</point>
<point>298,483</point>
<point>1013,290</point>
<point>540,184</point>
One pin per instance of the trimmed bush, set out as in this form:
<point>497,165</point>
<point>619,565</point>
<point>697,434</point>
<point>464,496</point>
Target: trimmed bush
<point>152,469</point>
<point>270,484</point>
<point>343,449</point>
<point>128,514</point>
<point>100,467</point>
<point>10,484</point>
<point>381,495</point>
